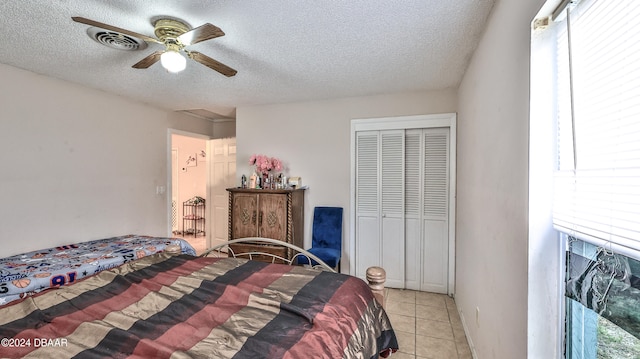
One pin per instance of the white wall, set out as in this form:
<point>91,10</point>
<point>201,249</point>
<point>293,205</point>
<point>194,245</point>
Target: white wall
<point>79,164</point>
<point>492,228</point>
<point>312,138</point>
<point>224,128</point>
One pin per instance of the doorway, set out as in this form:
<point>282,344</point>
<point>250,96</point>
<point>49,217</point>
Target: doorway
<point>189,181</point>
<point>201,169</point>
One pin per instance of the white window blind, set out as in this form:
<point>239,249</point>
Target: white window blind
<point>597,195</point>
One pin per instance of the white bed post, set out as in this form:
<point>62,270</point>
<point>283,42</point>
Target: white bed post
<point>376,276</point>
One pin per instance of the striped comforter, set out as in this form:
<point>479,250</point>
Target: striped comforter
<point>185,307</point>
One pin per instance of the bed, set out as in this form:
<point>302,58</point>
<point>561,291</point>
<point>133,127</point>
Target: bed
<point>213,306</point>
<point>29,273</point>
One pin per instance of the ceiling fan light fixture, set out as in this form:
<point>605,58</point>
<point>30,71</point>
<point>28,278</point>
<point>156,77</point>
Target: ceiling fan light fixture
<point>173,61</point>
<point>175,35</point>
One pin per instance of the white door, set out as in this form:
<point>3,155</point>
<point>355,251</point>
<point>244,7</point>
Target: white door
<point>435,210</point>
<point>368,246</point>
<point>414,167</point>
<point>222,173</point>
<point>380,204</point>
<point>392,206</point>
<point>380,237</point>
<point>427,209</point>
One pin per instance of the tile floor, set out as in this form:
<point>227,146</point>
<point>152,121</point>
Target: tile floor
<point>427,325</point>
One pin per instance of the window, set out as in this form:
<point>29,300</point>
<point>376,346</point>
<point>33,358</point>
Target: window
<point>597,179</point>
<point>602,303</point>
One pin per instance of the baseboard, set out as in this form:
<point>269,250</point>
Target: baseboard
<point>466,333</point>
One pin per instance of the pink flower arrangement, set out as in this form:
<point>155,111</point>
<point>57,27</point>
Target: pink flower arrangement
<point>264,164</point>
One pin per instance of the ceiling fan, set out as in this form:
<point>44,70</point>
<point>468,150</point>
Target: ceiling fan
<point>175,35</point>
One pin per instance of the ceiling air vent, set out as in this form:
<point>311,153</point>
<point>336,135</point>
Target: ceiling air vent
<point>116,40</point>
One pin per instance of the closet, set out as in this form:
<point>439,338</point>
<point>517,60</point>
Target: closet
<point>403,178</point>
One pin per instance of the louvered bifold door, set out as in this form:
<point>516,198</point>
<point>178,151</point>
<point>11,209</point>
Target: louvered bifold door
<point>413,204</point>
<point>435,210</point>
<point>392,216</point>
<point>368,246</point>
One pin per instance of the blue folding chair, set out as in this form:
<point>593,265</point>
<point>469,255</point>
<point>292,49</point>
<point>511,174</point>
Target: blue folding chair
<point>326,239</point>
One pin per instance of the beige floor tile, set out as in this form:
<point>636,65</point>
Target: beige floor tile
<point>464,353</point>
<point>434,348</point>
<point>406,342</point>
<point>401,355</point>
<point>401,295</point>
<point>458,334</point>
<point>408,309</point>
<point>403,323</point>
<point>432,299</point>
<point>432,313</point>
<point>463,348</point>
<point>434,329</point>
<point>454,318</point>
<point>451,304</point>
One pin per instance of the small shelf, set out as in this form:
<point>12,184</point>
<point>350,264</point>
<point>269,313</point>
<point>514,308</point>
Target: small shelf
<point>193,216</point>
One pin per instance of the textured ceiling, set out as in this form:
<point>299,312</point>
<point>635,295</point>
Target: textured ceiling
<point>283,50</point>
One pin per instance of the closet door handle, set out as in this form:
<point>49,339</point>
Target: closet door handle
<point>260,219</point>
<point>253,218</point>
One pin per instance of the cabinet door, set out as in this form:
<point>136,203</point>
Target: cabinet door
<point>245,215</point>
<point>272,216</point>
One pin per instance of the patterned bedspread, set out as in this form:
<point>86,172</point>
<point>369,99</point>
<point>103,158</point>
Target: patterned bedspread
<point>184,307</point>
<point>29,273</point>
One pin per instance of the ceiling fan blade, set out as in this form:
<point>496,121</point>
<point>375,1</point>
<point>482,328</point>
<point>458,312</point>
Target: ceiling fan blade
<point>89,22</point>
<point>200,33</point>
<point>212,64</point>
<point>148,61</point>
